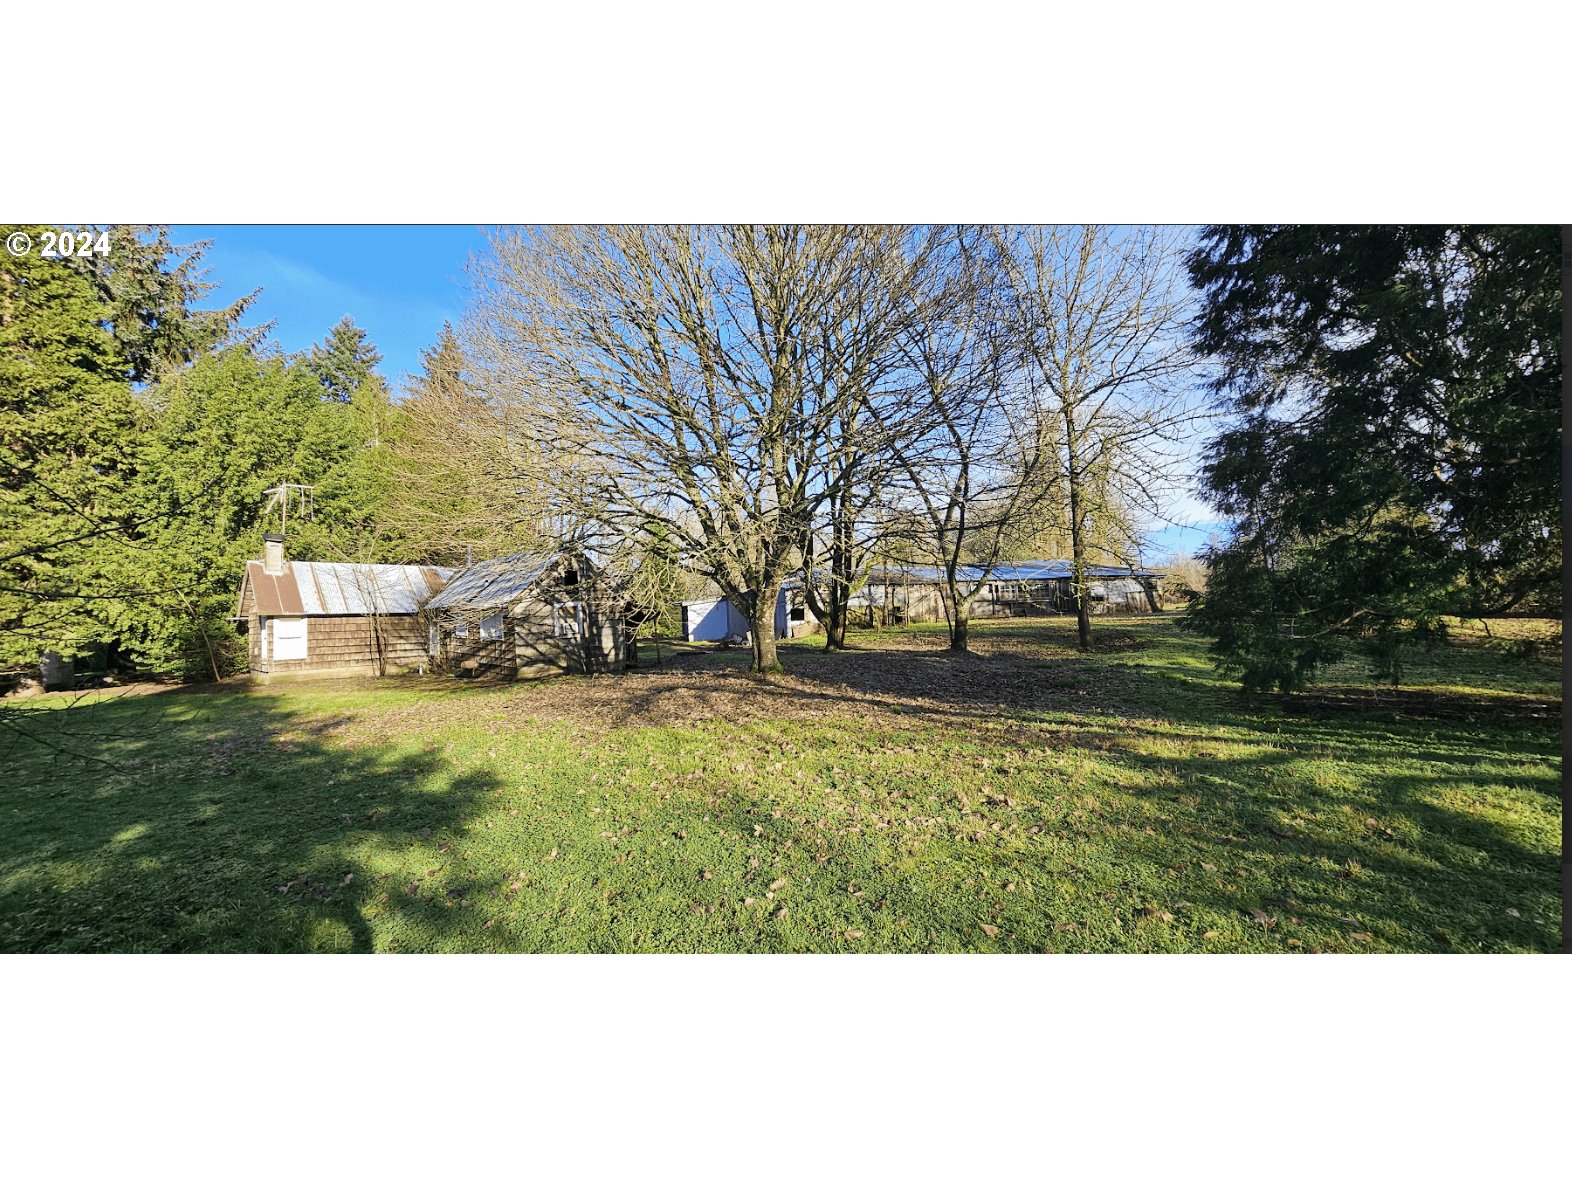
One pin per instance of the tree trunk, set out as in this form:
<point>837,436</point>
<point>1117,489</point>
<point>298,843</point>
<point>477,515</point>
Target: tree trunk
<point>1083,612</point>
<point>1078,583</point>
<point>957,612</point>
<point>761,628</point>
<point>835,608</point>
<point>958,631</point>
<point>835,628</point>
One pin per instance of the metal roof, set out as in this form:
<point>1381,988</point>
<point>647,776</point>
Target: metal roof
<point>342,588</point>
<point>1020,571</point>
<point>496,582</point>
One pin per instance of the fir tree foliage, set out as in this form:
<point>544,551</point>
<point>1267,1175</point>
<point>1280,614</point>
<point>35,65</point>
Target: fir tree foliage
<point>1394,457</point>
<point>70,433</point>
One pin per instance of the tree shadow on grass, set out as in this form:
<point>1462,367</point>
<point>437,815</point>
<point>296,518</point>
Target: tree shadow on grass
<point>226,824</point>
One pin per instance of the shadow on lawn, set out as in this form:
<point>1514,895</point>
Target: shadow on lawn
<point>227,825</point>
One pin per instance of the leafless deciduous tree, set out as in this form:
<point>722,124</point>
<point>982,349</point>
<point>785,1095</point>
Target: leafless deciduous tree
<point>966,444</point>
<point>684,376</point>
<point>1096,317</point>
<point>859,351</point>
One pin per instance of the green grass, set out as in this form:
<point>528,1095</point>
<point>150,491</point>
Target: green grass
<point>891,798</point>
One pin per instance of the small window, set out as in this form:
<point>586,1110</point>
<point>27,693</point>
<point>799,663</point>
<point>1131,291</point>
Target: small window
<point>491,628</point>
<point>571,577</point>
<point>798,614</point>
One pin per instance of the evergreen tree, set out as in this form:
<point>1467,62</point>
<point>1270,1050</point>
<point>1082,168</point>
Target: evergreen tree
<point>231,427</point>
<point>149,287</point>
<point>1397,393</point>
<point>70,434</point>
<point>344,362</point>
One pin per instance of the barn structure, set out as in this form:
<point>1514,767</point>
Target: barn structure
<point>895,594</point>
<point>528,615</point>
<point>333,617</point>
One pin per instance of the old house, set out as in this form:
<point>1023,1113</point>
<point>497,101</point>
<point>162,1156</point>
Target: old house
<point>304,617</point>
<point>528,615</point>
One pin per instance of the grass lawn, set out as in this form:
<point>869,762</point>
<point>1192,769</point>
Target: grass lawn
<point>891,798</point>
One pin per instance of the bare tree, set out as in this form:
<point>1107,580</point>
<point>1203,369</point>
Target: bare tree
<point>967,443</point>
<point>681,374</point>
<point>859,348</point>
<point>1096,315</point>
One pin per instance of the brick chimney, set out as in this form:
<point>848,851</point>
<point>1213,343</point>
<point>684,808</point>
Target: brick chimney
<point>273,553</point>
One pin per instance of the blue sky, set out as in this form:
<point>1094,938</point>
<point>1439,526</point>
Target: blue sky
<point>398,282</point>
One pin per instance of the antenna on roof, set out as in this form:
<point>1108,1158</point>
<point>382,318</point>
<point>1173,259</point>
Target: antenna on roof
<point>303,495</point>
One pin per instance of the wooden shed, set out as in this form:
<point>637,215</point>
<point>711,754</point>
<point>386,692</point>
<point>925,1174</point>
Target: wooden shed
<point>528,615</point>
<point>331,617</point>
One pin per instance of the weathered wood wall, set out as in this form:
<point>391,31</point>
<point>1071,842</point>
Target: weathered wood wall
<point>529,648</point>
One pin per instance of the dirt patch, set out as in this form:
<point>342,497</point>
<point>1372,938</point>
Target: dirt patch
<point>893,686</point>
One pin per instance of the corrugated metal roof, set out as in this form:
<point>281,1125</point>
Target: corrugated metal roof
<point>343,588</point>
<point>495,582</point>
<point>1020,571</point>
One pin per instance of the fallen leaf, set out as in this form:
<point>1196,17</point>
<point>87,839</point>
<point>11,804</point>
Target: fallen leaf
<point>1513,913</point>
<point>551,855</point>
<point>778,885</point>
<point>1265,921</point>
<point>853,934</point>
<point>990,930</point>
